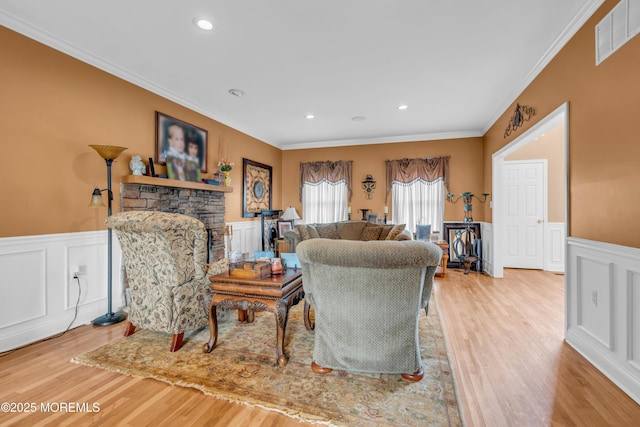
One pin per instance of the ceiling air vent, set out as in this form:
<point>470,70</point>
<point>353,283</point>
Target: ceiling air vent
<point>618,27</point>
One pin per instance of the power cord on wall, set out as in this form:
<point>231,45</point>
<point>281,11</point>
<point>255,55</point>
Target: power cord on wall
<point>75,316</point>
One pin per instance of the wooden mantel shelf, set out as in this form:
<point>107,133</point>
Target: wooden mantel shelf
<point>163,182</point>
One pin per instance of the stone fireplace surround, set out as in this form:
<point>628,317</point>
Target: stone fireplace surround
<point>202,201</point>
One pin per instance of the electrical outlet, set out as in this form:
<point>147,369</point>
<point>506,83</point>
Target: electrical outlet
<point>594,298</point>
<point>82,270</point>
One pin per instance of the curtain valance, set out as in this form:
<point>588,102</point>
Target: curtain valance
<point>333,172</point>
<point>408,170</point>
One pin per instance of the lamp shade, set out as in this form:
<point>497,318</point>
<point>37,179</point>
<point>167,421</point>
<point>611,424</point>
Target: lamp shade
<point>108,152</point>
<point>290,214</point>
<point>96,199</point>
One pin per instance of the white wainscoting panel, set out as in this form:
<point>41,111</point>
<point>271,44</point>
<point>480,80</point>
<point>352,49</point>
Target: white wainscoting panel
<point>554,246</point>
<point>486,231</point>
<point>39,291</point>
<point>247,238</point>
<point>603,309</point>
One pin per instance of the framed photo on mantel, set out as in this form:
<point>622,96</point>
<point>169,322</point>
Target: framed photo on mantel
<point>182,147</point>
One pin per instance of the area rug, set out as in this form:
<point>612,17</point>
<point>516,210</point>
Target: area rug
<point>242,368</point>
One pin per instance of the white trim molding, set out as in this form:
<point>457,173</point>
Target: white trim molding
<point>602,304</point>
<point>554,246</point>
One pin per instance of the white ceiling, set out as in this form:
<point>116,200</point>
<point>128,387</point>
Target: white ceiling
<point>457,64</point>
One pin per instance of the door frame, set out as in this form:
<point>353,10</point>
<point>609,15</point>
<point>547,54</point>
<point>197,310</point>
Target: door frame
<point>559,115</point>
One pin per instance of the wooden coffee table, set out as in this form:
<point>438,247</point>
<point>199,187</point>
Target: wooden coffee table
<point>276,294</point>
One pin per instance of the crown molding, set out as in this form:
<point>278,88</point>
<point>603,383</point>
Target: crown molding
<point>576,23</point>
<point>381,140</point>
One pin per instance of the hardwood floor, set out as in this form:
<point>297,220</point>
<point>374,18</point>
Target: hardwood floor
<point>506,345</point>
<point>505,339</point>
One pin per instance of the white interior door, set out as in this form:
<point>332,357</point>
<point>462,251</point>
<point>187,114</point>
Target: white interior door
<point>525,200</point>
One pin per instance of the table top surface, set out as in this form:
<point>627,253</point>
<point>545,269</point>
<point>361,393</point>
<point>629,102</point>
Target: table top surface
<point>279,280</point>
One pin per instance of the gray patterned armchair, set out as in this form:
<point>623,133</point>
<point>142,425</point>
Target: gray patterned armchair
<point>165,258</point>
<point>367,297</point>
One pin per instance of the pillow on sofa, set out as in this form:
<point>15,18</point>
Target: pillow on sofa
<point>371,232</point>
<point>397,229</point>
<point>328,231</point>
<point>313,233</point>
<point>403,236</point>
<point>303,232</point>
<point>385,231</point>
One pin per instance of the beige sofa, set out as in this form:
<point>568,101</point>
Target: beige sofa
<point>367,296</point>
<point>346,230</point>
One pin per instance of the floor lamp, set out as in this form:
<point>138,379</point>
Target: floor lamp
<point>109,153</point>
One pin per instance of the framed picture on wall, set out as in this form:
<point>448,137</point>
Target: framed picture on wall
<point>182,147</point>
<point>256,188</point>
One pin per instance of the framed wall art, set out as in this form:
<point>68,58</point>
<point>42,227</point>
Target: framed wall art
<point>256,188</point>
<point>182,147</point>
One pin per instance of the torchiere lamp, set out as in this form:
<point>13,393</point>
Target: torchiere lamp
<point>109,153</point>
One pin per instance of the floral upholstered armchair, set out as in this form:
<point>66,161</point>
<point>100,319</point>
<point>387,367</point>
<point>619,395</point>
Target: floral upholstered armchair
<point>165,259</point>
<point>367,297</point>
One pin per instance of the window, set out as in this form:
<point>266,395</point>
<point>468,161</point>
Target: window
<point>324,202</point>
<point>417,188</point>
<point>418,202</point>
<point>325,190</point>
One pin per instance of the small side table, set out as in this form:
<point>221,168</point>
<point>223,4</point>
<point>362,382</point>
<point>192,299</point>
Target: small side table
<point>442,270</point>
<point>282,247</point>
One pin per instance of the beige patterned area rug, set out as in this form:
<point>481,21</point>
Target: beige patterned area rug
<point>243,368</point>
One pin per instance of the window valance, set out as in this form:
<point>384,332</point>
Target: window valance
<point>408,170</point>
<point>333,172</point>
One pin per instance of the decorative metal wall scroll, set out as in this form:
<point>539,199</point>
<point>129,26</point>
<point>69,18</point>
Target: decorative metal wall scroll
<point>521,114</point>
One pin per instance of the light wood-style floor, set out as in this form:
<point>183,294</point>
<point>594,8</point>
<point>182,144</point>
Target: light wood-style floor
<point>505,339</point>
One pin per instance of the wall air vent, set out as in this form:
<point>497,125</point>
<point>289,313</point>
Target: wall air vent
<point>618,27</point>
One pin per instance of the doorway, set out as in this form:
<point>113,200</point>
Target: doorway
<point>554,234</point>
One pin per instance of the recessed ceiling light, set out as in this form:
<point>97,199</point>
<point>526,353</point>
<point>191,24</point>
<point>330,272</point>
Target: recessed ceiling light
<point>203,24</point>
<point>236,92</point>
<point>310,116</point>
<point>403,107</point>
<point>358,118</point>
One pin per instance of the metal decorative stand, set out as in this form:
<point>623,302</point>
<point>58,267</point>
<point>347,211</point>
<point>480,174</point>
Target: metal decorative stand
<point>470,253</point>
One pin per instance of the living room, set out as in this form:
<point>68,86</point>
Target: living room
<point>54,106</point>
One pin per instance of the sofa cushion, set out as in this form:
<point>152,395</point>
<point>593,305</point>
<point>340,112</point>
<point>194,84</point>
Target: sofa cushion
<point>328,231</point>
<point>303,232</point>
<point>371,232</point>
<point>350,230</point>
<point>385,231</point>
<point>397,229</point>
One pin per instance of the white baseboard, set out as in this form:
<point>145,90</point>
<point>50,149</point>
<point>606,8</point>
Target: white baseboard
<point>40,291</point>
<point>603,309</point>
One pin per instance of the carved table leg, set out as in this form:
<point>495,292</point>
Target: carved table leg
<point>307,320</point>
<point>213,328</point>
<point>282,313</point>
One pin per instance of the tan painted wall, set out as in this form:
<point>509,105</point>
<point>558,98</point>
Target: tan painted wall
<point>53,106</point>
<point>465,169</point>
<point>549,147</point>
<point>604,146</point>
